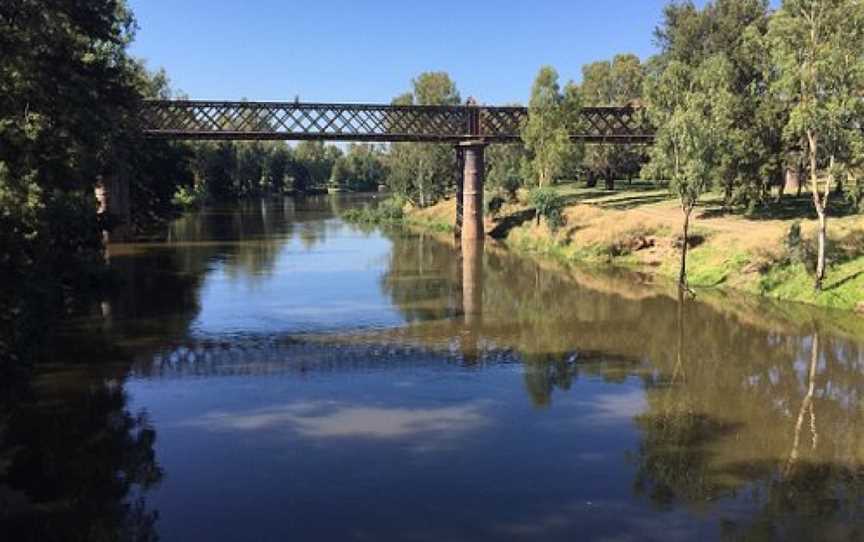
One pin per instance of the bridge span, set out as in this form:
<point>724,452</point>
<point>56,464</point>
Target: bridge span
<point>469,128</point>
<point>220,120</point>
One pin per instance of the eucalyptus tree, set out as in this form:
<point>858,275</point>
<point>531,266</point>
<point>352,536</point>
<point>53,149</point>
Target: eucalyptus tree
<point>754,161</point>
<point>612,83</point>
<point>546,132</point>
<point>421,171</point>
<point>818,49</point>
<point>693,112</point>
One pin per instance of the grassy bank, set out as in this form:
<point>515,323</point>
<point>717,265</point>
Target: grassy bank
<point>639,227</point>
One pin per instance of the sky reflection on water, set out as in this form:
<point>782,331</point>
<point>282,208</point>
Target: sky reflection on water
<point>284,375</point>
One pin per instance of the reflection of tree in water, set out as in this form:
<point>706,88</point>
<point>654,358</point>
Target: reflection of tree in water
<point>726,392</point>
<point>422,278</point>
<point>720,423</point>
<point>74,467</point>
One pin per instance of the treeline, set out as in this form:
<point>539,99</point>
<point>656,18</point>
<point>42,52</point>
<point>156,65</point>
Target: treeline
<point>226,170</point>
<point>745,100</point>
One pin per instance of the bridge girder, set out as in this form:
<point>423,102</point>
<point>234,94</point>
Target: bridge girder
<point>220,120</point>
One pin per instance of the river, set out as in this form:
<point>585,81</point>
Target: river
<point>272,373</point>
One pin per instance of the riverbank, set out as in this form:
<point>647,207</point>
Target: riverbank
<point>638,227</point>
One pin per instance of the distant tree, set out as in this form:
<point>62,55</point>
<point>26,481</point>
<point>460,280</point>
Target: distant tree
<point>435,88</point>
<point>817,49</point>
<point>545,133</point>
<point>318,159</point>
<point>277,167</point>
<point>691,110</point>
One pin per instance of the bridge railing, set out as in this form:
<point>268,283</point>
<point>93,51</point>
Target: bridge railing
<point>214,120</point>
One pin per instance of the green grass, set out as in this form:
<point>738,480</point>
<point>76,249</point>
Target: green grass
<point>842,289</point>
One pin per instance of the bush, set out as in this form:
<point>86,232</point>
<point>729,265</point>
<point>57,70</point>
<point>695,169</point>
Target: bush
<point>189,198</point>
<point>799,250</point>
<point>510,184</point>
<point>493,204</point>
<point>388,211</point>
<point>548,204</point>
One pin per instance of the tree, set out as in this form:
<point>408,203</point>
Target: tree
<point>691,110</point>
<point>420,172</point>
<point>277,167</point>
<point>67,98</point>
<point>817,48</point>
<point>318,159</point>
<point>504,168</point>
<point>754,161</point>
<point>545,133</point>
<point>614,83</point>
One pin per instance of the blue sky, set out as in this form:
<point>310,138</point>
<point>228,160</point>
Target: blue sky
<point>356,51</point>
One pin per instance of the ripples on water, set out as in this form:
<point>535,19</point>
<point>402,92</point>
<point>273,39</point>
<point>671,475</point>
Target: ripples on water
<point>271,373</point>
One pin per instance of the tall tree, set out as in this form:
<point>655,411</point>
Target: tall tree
<point>818,49</point>
<point>545,133</point>
<point>67,93</point>
<point>692,112</point>
<point>420,172</point>
<point>735,28</point>
<point>614,83</point>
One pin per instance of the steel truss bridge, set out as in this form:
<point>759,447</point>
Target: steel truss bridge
<point>241,120</point>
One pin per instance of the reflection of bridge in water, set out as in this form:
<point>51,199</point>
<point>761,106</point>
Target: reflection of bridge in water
<point>295,356</point>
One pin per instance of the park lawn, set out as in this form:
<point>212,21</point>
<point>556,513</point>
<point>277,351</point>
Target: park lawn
<point>639,226</point>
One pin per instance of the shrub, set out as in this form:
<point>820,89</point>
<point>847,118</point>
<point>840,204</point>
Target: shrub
<point>493,204</point>
<point>548,204</point>
<point>799,250</point>
<point>388,211</point>
<point>189,198</point>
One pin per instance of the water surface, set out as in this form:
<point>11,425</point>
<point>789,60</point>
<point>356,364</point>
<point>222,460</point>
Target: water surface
<point>271,373</point>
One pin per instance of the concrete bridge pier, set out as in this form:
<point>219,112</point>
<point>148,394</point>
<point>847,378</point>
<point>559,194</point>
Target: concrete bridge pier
<point>472,191</point>
<point>112,195</point>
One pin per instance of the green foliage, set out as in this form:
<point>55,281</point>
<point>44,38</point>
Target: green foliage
<point>692,110</point>
<point>67,110</point>
<point>546,132</point>
<point>317,159</point>
<point>797,250</point>
<point>227,171</point>
<point>492,204</point>
<point>504,168</point>
<point>548,204</point>
<point>420,172</point>
<point>816,50</point>
<point>189,198</point>
<point>614,83</point>
<point>361,169</point>
<point>387,212</point>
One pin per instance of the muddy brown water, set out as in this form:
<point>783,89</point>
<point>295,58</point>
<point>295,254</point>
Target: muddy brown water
<point>270,372</point>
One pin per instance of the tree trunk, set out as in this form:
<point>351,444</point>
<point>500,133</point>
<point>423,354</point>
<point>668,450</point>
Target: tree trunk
<point>820,203</point>
<point>682,275</point>
<point>823,240</point>
<point>609,180</point>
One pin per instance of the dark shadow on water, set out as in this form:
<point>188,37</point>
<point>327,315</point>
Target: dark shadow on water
<point>77,467</point>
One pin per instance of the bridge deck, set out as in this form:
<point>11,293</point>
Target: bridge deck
<point>218,120</point>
